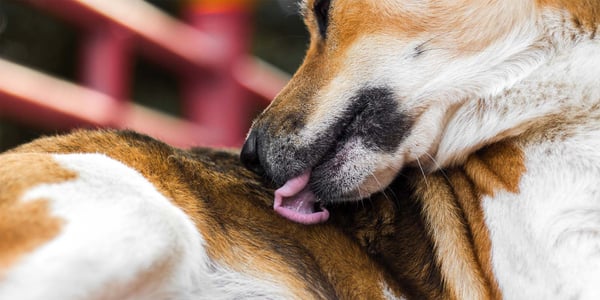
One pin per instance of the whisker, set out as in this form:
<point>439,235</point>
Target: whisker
<point>424,45</point>
<point>376,180</point>
<point>422,172</point>
<point>438,166</point>
<point>362,198</point>
<point>381,187</point>
<point>465,49</point>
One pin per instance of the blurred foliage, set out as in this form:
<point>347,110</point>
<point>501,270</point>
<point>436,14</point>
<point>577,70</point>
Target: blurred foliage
<point>43,42</point>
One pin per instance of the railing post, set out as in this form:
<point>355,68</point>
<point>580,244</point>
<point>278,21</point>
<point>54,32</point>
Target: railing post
<point>215,99</point>
<point>106,61</point>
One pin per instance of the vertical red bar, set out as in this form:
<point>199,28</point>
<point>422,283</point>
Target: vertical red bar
<point>215,99</point>
<point>106,61</point>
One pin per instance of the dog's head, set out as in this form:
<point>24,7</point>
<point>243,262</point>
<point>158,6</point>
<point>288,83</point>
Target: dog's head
<point>377,85</point>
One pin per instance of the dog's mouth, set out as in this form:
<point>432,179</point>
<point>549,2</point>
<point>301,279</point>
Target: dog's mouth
<point>297,202</point>
<point>341,159</point>
<point>302,198</point>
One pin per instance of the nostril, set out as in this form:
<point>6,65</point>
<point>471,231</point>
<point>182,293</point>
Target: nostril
<point>249,154</point>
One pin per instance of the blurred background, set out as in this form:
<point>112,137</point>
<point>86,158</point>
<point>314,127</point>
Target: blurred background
<point>189,72</point>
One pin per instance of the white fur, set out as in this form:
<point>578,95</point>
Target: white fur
<point>435,82</point>
<point>122,239</point>
<point>545,241</point>
<point>546,238</point>
<point>388,293</point>
<point>568,83</point>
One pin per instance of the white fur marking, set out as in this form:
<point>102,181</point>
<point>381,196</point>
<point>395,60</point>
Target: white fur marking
<point>546,239</point>
<point>117,228</point>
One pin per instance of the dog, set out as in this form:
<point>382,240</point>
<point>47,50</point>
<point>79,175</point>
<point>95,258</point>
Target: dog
<point>496,103</point>
<point>118,215</point>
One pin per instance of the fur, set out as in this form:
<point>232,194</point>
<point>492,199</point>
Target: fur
<point>503,99</point>
<point>118,215</point>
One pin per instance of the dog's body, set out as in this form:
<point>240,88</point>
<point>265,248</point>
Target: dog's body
<point>116,215</point>
<point>498,102</point>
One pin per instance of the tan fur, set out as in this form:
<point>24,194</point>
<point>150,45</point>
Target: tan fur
<point>496,167</point>
<point>436,225</point>
<point>406,21</point>
<point>351,20</point>
<point>24,226</point>
<point>470,205</point>
<point>454,251</point>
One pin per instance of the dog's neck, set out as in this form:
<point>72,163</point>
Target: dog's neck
<point>391,228</point>
<point>561,81</point>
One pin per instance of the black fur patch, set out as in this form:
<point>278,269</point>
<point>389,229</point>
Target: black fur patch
<point>374,117</point>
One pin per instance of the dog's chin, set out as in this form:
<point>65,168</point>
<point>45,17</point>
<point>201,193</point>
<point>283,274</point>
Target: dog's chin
<point>332,186</point>
<point>348,173</point>
<point>353,171</point>
<point>304,199</point>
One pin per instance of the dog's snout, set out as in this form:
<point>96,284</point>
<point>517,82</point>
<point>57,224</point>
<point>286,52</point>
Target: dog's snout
<point>249,155</point>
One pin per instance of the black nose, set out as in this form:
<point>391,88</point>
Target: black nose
<point>249,155</point>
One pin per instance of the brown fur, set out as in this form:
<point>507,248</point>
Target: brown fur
<point>26,225</point>
<point>425,228</point>
<point>231,207</point>
<point>450,21</point>
<point>495,168</point>
<point>585,13</point>
<point>428,233</point>
<point>454,252</point>
<point>391,228</point>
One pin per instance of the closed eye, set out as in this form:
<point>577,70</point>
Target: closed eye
<point>321,10</point>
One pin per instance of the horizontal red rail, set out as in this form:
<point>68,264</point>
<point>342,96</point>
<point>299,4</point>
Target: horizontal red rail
<point>161,36</point>
<point>47,101</point>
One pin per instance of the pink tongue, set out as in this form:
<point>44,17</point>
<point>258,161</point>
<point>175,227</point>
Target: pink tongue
<point>296,202</point>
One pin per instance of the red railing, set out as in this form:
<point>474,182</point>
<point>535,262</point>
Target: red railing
<point>220,82</point>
